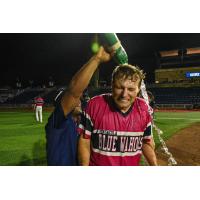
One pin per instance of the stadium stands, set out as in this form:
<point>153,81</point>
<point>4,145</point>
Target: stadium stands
<point>177,96</point>
<point>24,97</point>
<point>165,97</point>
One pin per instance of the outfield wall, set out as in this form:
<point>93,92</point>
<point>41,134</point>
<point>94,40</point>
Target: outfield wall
<point>175,106</point>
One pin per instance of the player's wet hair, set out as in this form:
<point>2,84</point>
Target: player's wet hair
<point>127,71</point>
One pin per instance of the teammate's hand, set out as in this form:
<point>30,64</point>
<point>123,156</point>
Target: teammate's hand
<point>102,55</point>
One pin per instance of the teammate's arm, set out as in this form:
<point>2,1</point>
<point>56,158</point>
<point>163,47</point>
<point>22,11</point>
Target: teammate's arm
<point>149,153</point>
<point>81,80</point>
<point>83,151</point>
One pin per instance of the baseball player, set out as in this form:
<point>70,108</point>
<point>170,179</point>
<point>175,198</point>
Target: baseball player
<point>116,128</point>
<point>39,102</point>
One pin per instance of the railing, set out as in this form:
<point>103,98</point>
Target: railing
<point>175,106</point>
<point>173,85</point>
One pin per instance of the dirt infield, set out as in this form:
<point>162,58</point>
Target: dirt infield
<point>184,146</point>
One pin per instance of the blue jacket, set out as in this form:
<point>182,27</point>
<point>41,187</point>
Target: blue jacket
<point>61,139</point>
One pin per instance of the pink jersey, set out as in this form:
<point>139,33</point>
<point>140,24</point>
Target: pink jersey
<point>116,138</point>
<point>39,101</point>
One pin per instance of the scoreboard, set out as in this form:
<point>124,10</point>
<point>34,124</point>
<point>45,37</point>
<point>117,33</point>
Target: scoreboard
<point>192,74</point>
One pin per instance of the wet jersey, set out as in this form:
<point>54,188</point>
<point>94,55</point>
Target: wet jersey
<point>116,137</point>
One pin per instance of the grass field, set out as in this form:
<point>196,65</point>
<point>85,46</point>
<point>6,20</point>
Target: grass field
<point>172,122</point>
<point>22,140</point>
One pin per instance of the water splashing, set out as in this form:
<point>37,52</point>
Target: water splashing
<point>171,160</point>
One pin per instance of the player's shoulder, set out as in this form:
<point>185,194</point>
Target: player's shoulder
<point>142,103</point>
<point>99,98</point>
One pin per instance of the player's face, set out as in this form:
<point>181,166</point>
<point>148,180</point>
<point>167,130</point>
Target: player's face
<point>124,92</point>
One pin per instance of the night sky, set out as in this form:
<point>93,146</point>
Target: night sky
<point>39,56</point>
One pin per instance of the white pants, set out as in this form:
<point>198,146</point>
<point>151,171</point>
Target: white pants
<point>38,113</point>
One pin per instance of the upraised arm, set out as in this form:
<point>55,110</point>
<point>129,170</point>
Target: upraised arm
<point>81,80</point>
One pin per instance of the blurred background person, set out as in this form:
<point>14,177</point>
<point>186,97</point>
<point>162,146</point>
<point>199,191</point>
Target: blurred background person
<point>39,102</point>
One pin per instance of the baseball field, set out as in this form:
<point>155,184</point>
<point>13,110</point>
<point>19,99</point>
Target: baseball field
<point>22,140</point>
